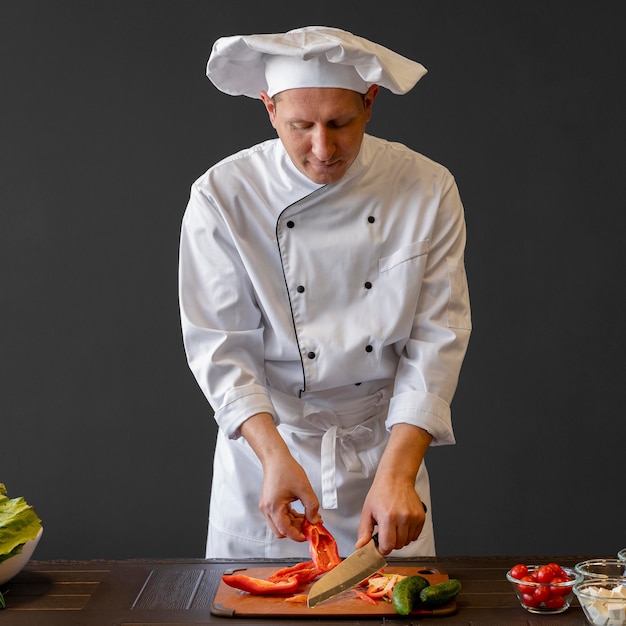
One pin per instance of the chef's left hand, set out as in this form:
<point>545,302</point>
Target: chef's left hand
<point>397,511</point>
<point>392,503</point>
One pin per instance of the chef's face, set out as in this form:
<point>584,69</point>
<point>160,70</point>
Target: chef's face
<point>321,128</point>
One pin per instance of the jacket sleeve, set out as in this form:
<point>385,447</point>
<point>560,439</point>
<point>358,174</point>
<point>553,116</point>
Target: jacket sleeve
<point>220,319</point>
<point>430,363</point>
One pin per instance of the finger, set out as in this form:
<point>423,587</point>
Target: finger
<point>296,520</point>
<point>274,527</point>
<point>278,520</point>
<point>402,537</point>
<point>313,517</point>
<point>291,524</point>
<point>365,532</point>
<point>311,509</point>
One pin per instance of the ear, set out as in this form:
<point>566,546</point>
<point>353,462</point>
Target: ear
<point>368,100</point>
<point>269,106</point>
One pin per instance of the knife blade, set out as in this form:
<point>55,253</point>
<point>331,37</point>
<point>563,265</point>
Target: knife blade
<point>352,570</point>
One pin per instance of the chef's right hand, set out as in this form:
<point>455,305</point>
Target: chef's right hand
<point>284,482</point>
<point>284,479</point>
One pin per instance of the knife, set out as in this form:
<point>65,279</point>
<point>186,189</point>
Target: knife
<point>352,570</point>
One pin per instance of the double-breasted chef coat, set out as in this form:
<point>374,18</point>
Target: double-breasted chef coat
<point>340,309</point>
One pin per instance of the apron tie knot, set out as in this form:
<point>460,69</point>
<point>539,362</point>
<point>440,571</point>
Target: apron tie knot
<point>335,436</point>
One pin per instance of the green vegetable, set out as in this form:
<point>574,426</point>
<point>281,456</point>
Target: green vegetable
<point>18,524</point>
<point>406,593</point>
<point>441,593</point>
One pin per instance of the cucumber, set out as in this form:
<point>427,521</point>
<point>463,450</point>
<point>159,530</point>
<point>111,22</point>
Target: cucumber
<point>439,594</point>
<point>406,593</point>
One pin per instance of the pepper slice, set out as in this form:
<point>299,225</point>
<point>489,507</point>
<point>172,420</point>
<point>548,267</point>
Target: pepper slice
<point>365,597</point>
<point>322,546</point>
<point>305,572</point>
<point>260,586</point>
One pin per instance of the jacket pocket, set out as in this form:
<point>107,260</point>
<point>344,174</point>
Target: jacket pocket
<point>404,254</point>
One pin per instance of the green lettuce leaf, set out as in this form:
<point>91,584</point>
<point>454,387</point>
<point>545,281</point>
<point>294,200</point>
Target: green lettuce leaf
<point>18,524</point>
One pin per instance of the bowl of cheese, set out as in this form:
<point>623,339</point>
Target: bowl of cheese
<point>603,600</point>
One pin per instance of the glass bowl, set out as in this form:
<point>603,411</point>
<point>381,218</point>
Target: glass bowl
<point>603,600</point>
<point>545,598</point>
<point>601,568</point>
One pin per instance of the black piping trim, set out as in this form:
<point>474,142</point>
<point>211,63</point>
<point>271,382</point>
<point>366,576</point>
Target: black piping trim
<point>280,254</point>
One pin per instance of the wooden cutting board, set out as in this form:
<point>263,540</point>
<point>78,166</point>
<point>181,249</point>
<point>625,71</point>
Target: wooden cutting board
<point>229,602</point>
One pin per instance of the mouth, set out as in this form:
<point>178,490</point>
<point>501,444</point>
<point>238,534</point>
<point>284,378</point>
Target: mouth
<point>326,165</point>
<point>324,171</point>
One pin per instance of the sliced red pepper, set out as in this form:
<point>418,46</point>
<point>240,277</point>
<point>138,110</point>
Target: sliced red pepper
<point>260,586</point>
<point>305,572</point>
<point>322,546</point>
<point>299,599</point>
<point>365,597</point>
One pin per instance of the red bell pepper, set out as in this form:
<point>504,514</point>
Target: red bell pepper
<point>323,549</point>
<point>322,546</point>
<point>260,586</point>
<point>305,572</point>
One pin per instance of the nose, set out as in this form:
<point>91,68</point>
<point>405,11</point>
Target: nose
<point>323,144</point>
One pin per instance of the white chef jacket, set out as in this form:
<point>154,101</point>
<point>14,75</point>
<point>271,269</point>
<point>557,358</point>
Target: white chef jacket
<point>340,309</point>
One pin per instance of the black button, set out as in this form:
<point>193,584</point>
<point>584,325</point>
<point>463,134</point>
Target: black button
<point>368,348</point>
<point>371,219</point>
<point>300,289</point>
<point>311,355</point>
<point>290,224</point>
<point>368,285</point>
<point>357,384</point>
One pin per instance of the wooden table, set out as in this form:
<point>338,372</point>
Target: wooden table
<point>173,592</point>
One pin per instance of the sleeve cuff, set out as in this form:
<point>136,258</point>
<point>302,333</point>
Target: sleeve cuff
<point>241,404</point>
<point>424,410</point>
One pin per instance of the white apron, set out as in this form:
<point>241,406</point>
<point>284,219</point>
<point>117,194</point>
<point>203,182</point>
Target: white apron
<point>340,447</point>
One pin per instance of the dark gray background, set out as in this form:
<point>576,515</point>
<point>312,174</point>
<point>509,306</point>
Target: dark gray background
<point>107,118</point>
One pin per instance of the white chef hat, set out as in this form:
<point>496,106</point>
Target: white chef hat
<point>313,56</point>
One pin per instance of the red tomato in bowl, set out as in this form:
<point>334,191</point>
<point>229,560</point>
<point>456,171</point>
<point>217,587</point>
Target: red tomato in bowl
<point>545,574</point>
<point>529,600</point>
<point>554,602</point>
<point>519,571</point>
<point>558,570</point>
<point>560,590</point>
<point>542,593</point>
<point>530,589</point>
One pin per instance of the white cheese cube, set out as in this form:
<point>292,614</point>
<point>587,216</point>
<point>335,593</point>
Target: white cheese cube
<point>596,614</point>
<point>615,611</point>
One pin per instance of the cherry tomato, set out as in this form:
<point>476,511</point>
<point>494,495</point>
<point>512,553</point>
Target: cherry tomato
<point>555,602</point>
<point>545,574</point>
<point>542,594</point>
<point>558,570</point>
<point>519,571</point>
<point>560,590</point>
<point>529,600</point>
<point>530,589</point>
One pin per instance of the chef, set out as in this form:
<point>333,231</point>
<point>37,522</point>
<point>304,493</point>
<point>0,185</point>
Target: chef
<point>324,304</point>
